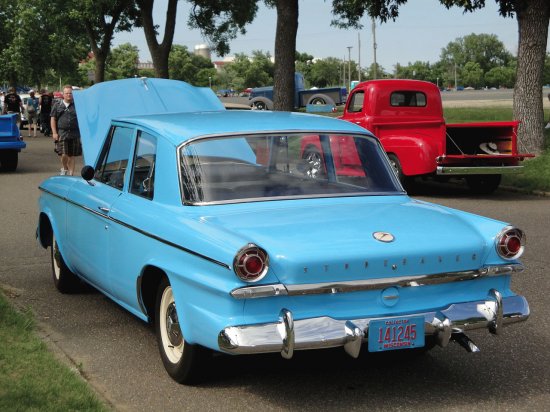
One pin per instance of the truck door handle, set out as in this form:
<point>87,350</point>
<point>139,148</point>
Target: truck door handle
<point>103,209</point>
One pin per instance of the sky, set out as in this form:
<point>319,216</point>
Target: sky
<point>422,30</point>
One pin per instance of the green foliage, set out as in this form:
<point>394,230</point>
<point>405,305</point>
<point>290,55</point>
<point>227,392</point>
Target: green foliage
<point>122,62</point>
<point>30,378</point>
<point>189,67</point>
<point>246,72</point>
<point>327,72</point>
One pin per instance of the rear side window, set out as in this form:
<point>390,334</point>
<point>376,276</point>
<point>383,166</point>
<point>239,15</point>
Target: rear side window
<point>408,99</point>
<point>143,173</point>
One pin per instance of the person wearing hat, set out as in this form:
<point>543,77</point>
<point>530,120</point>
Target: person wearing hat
<point>32,112</point>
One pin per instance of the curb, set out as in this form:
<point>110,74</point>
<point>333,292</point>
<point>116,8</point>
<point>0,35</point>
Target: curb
<point>540,193</point>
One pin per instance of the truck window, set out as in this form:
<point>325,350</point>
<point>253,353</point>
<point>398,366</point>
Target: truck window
<point>356,104</point>
<point>408,99</point>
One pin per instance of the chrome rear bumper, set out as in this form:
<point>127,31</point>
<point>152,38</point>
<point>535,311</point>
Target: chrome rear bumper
<point>288,334</point>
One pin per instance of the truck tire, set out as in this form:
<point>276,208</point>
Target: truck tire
<point>321,99</point>
<point>483,184</point>
<point>8,160</point>
<point>406,181</point>
<point>261,103</point>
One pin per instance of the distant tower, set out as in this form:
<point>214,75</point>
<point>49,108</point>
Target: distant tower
<point>203,50</point>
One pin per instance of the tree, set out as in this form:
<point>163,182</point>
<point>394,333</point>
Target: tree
<point>101,19</point>
<point>122,62</point>
<point>219,21</point>
<point>533,17</point>
<point>472,74</point>
<point>326,72</point>
<point>501,76</point>
<point>417,70</point>
<point>37,36</point>
<point>484,49</point>
<point>189,67</point>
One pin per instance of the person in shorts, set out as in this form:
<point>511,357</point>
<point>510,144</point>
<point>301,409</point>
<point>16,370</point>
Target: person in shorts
<point>32,112</point>
<point>65,131</point>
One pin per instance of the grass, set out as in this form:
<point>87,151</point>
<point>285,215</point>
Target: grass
<point>31,379</point>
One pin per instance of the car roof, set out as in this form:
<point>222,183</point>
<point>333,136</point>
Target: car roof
<point>180,127</point>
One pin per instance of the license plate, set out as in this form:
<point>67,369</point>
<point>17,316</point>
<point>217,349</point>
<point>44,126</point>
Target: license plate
<point>396,333</point>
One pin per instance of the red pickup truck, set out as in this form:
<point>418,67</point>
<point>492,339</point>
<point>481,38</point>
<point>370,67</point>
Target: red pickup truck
<point>407,117</point>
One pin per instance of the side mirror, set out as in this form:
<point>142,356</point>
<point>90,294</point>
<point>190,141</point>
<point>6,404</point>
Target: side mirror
<point>87,173</point>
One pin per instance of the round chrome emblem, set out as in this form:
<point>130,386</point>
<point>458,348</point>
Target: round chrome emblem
<point>383,237</point>
<point>390,296</point>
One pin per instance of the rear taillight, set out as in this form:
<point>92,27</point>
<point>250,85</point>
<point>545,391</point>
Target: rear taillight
<point>510,243</point>
<point>251,263</point>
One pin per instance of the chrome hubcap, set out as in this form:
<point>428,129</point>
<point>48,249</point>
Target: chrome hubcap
<point>314,164</point>
<point>172,325</point>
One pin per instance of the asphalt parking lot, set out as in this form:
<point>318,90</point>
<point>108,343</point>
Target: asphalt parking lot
<point>118,356</point>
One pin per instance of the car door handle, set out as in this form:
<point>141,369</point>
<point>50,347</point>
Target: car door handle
<point>104,209</point>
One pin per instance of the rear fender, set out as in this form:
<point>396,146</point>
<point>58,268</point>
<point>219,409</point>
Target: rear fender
<point>415,155</point>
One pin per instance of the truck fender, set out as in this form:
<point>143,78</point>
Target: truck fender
<point>261,103</point>
<point>321,98</point>
<point>415,156</point>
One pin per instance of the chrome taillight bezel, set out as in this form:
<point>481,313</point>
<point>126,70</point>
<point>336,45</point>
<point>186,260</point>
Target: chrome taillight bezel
<point>239,263</point>
<point>503,238</point>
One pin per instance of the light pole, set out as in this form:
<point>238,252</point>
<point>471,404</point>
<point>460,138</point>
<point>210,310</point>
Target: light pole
<point>349,67</point>
<point>210,81</point>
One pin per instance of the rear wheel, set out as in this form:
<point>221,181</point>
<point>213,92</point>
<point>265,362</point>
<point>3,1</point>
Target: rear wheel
<point>406,181</point>
<point>64,280</point>
<point>182,361</point>
<point>483,184</point>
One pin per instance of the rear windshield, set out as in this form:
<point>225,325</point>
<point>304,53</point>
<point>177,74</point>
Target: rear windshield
<point>273,167</point>
<point>408,99</point>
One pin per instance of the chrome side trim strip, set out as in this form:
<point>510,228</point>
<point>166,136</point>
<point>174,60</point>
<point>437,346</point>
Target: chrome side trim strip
<point>143,232</point>
<point>263,291</point>
<point>483,170</point>
<point>325,332</point>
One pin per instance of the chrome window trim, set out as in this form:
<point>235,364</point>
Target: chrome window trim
<point>143,232</point>
<point>263,291</point>
<point>276,133</point>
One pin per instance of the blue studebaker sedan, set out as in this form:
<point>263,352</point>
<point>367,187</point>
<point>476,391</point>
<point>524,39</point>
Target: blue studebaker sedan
<point>229,233</point>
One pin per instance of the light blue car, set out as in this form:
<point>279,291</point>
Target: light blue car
<point>223,230</point>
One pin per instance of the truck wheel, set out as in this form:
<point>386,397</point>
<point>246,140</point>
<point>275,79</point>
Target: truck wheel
<point>8,160</point>
<point>483,184</point>
<point>261,103</point>
<point>321,99</point>
<point>184,362</point>
<point>315,168</point>
<point>406,181</point>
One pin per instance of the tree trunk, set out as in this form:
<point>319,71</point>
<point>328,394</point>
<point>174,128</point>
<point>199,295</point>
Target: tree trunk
<point>285,54</point>
<point>533,20</point>
<point>159,52</point>
<point>99,75</point>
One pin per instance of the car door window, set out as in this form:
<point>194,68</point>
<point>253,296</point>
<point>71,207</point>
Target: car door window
<point>114,158</point>
<point>143,169</point>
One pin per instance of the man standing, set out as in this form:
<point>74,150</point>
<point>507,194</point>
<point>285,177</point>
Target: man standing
<point>32,112</point>
<point>65,131</point>
<point>13,104</point>
<point>45,103</point>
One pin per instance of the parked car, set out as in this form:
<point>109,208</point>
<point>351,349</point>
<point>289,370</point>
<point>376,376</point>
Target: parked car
<point>11,143</point>
<point>209,224</point>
